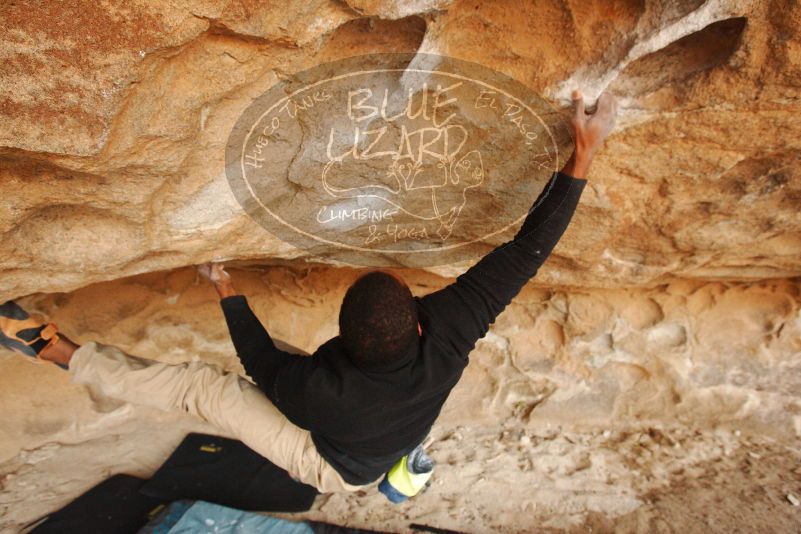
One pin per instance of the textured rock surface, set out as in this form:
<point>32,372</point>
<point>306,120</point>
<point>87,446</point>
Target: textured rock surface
<point>114,122</point>
<point>659,349</point>
<point>678,404</point>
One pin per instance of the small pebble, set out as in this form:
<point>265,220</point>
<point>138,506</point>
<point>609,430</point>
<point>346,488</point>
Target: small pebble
<point>793,499</point>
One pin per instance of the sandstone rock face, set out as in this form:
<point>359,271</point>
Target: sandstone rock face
<point>114,122</point>
<point>667,322</point>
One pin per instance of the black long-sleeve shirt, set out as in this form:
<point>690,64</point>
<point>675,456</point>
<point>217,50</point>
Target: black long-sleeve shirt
<point>363,420</point>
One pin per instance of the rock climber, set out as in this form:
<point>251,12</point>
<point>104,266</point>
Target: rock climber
<point>340,419</point>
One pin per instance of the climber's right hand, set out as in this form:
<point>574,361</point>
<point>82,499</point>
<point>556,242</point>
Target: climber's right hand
<point>591,129</point>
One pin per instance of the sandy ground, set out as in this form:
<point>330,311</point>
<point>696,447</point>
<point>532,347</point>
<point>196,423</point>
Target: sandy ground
<point>487,480</point>
<point>549,440</point>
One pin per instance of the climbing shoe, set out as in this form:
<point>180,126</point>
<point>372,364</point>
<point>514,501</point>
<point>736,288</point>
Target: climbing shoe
<point>21,333</point>
<point>408,476</point>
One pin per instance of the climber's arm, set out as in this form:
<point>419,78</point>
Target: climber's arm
<point>258,353</point>
<point>461,313</point>
<point>256,350</point>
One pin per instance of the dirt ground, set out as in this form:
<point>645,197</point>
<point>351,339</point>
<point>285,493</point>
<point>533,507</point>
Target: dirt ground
<point>644,480</point>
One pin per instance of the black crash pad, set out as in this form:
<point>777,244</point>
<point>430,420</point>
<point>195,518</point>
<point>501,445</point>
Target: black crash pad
<point>227,472</point>
<point>114,506</point>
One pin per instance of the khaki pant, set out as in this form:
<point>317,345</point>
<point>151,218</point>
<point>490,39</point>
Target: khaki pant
<point>224,399</point>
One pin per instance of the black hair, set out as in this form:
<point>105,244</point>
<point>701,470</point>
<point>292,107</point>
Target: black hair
<point>378,319</point>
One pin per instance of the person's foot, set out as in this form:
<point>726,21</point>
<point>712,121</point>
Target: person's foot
<point>21,333</point>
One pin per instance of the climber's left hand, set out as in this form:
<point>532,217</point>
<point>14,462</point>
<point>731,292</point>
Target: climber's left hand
<point>217,275</point>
